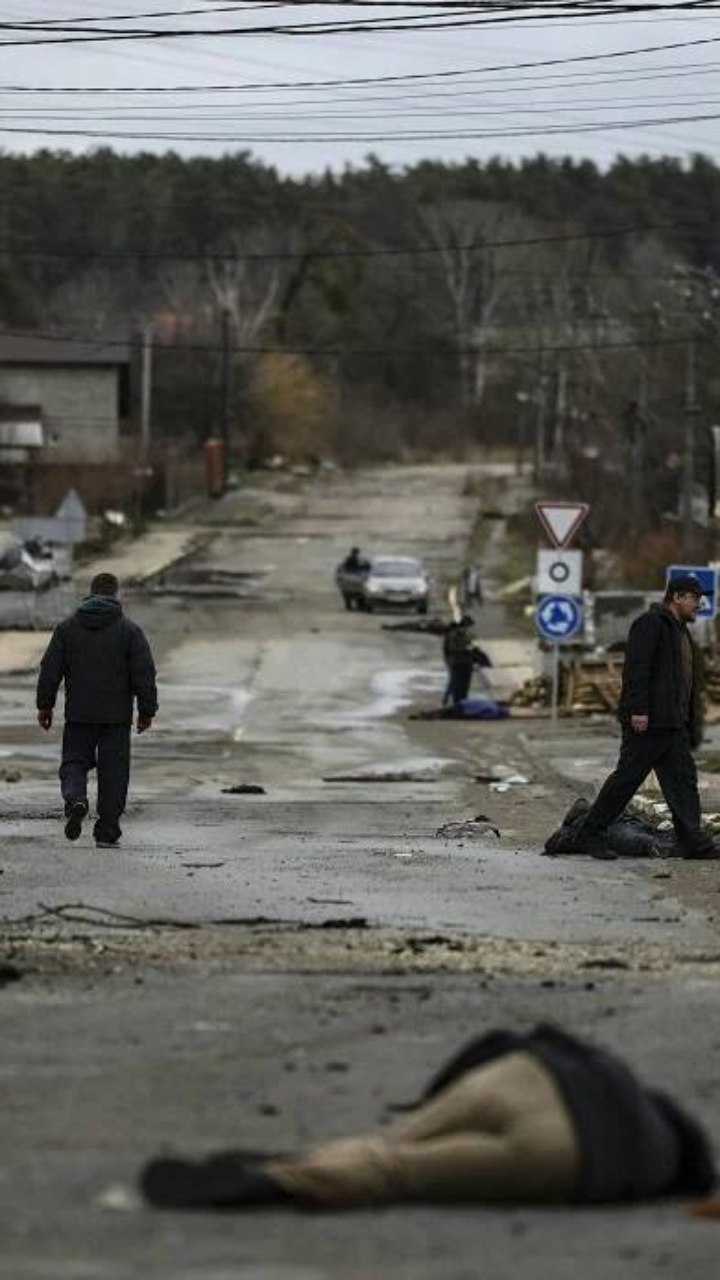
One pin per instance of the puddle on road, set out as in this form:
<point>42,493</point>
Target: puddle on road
<point>390,690</point>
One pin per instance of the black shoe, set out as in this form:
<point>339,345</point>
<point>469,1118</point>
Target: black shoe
<point>222,1182</point>
<point>106,839</point>
<point>75,811</point>
<point>706,853</point>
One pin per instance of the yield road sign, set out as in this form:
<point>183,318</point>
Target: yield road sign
<point>557,618</point>
<point>561,520</point>
<point>559,571</point>
<point>707,577</point>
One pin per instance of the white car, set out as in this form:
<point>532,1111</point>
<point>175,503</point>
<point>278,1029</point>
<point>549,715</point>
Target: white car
<point>396,580</point>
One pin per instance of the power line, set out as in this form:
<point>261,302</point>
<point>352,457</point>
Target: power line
<point>538,84</point>
<point>407,135</point>
<point>49,23</point>
<point>378,352</point>
<point>357,26</point>
<point>141,255</point>
<point>269,112</point>
<point>493,69</point>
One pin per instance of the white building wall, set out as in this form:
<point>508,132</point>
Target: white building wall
<point>79,408</point>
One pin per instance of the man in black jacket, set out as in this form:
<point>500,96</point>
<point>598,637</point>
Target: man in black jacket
<point>107,665</point>
<point>661,717</point>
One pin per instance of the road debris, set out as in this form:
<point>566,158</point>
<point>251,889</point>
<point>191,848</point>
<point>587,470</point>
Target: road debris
<point>509,780</point>
<point>244,789</point>
<point>9,973</point>
<point>386,775</point>
<point>119,1198</point>
<point>476,828</point>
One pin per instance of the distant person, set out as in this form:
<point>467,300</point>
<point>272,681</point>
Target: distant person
<point>355,562</point>
<point>535,1118</point>
<point>460,654</point>
<point>661,717</point>
<point>106,664</point>
<point>472,585</point>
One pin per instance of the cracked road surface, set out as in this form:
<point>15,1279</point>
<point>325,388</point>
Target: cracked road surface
<point>268,970</point>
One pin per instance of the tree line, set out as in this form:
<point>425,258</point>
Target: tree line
<point>546,305</point>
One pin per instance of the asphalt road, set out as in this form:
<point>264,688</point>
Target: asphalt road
<point>259,1024</point>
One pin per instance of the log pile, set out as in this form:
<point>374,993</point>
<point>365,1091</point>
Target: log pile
<point>533,695</point>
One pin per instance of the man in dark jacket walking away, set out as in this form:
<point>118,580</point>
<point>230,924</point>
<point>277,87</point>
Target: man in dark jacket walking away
<point>107,665</point>
<point>661,718</point>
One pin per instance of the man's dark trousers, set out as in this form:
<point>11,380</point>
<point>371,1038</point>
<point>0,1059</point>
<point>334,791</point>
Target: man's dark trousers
<point>461,673</point>
<point>667,751</point>
<point>105,747</point>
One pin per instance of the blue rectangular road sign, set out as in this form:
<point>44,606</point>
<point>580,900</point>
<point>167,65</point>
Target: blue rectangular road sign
<point>707,578</point>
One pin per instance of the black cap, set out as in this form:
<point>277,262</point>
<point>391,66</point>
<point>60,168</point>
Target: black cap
<point>685,584</point>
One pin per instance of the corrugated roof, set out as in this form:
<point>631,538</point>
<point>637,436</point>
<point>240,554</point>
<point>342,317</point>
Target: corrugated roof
<point>32,348</point>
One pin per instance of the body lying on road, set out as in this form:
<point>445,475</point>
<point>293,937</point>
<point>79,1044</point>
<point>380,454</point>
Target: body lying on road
<point>540,1118</point>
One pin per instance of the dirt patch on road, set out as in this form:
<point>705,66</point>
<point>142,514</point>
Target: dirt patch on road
<point>334,947</point>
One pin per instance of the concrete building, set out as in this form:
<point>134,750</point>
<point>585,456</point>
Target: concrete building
<point>69,397</point>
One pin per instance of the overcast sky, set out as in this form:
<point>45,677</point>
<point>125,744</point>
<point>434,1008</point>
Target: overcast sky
<point>671,83</point>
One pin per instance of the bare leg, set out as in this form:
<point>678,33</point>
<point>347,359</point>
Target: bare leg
<point>500,1133</point>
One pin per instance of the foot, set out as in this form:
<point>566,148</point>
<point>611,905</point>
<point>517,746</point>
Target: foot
<point>706,853</point>
<point>75,811</point>
<point>221,1182</point>
<point>106,836</point>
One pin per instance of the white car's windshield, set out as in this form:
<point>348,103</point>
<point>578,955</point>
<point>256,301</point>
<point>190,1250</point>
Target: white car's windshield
<point>396,569</point>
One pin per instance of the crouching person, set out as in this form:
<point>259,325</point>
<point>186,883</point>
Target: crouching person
<point>537,1118</point>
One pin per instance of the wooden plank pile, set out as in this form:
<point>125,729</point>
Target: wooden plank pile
<point>593,684</point>
<point>587,684</point>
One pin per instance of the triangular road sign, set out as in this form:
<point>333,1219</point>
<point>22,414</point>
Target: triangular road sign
<point>561,520</point>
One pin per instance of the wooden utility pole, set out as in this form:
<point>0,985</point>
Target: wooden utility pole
<point>688,475</point>
<point>146,374</point>
<point>225,386</point>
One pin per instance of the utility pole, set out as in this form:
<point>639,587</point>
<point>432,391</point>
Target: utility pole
<point>540,401</point>
<point>146,374</point>
<point>225,386</point>
<point>560,414</point>
<point>691,411</point>
<point>522,398</point>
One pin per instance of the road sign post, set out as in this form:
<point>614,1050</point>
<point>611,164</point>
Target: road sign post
<point>559,571</point>
<point>559,614</point>
<point>558,618</point>
<point>561,520</point>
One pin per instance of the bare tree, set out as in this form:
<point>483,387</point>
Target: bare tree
<point>472,270</point>
<point>247,290</point>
